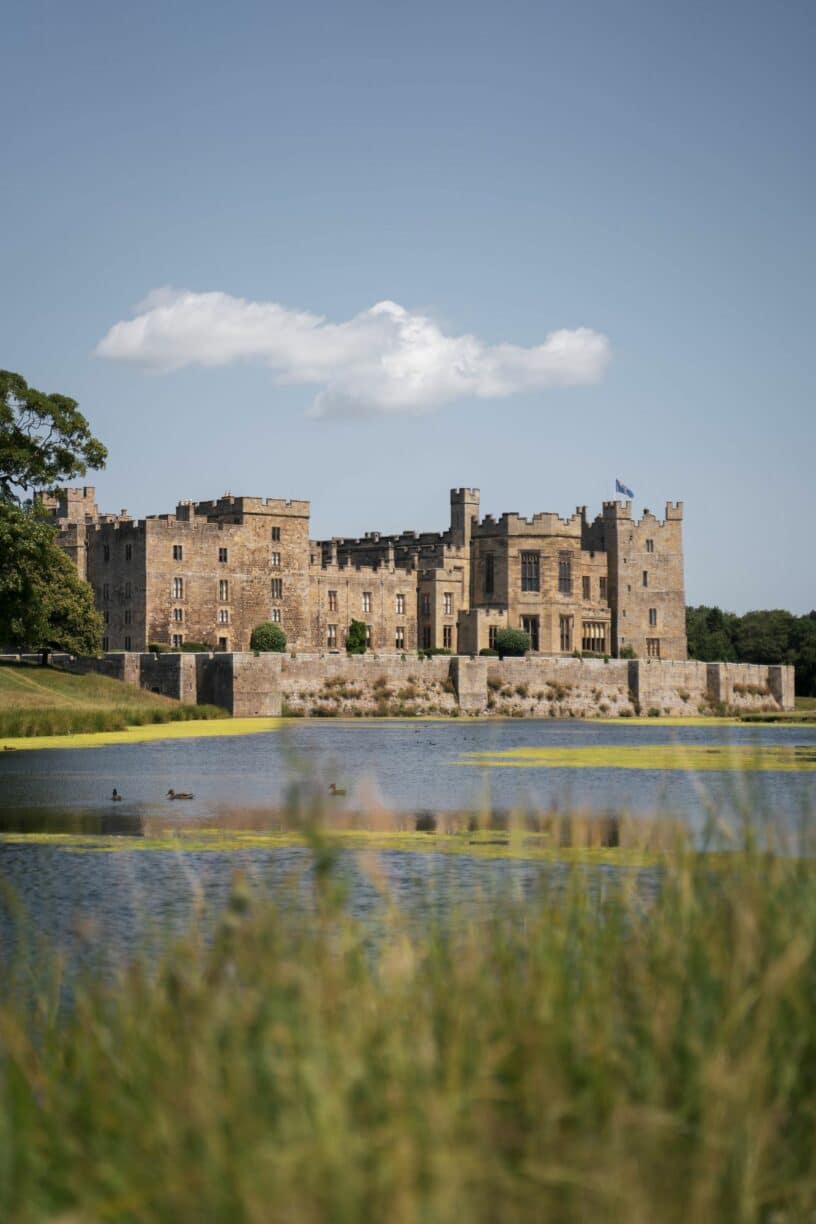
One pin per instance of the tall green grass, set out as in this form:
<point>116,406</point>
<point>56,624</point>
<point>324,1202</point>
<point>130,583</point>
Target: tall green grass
<point>62,720</point>
<point>598,1052</point>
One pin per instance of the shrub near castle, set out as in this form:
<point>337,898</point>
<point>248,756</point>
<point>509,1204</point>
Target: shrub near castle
<point>356,638</point>
<point>268,637</point>
<point>512,642</point>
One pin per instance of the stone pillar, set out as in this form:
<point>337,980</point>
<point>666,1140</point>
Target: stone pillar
<point>469,677</point>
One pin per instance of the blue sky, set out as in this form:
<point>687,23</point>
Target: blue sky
<point>502,172</point>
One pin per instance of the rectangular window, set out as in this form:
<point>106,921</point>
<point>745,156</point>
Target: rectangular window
<point>223,644</point>
<point>530,626</point>
<point>585,588</point>
<point>276,533</point>
<point>223,589</point>
<point>447,636</point>
<point>426,605</point>
<point>128,590</point>
<point>178,615</point>
<point>106,616</point>
<point>105,590</point>
<point>565,629</point>
<point>366,601</point>
<point>106,643</point>
<point>128,552</point>
<point>448,603</point>
<point>177,639</point>
<point>277,588</point>
<point>593,637</point>
<point>530,568</point>
<point>489,576</point>
<point>127,642</point>
<point>276,560</point>
<point>426,637</point>
<point>602,585</point>
<point>128,616</point>
<point>222,555</point>
<point>653,648</point>
<point>399,638</point>
<point>645,577</point>
<point>223,616</point>
<point>332,601</point>
<point>178,552</point>
<point>491,636</point>
<point>106,552</point>
<point>565,573</point>
<point>178,588</point>
<point>653,616</point>
<point>650,545</point>
<point>276,616</point>
<point>368,637</point>
<point>331,636</point>
<point>400,608</point>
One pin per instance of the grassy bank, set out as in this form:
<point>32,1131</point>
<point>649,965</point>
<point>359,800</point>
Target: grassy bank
<point>43,701</point>
<point>597,1052</point>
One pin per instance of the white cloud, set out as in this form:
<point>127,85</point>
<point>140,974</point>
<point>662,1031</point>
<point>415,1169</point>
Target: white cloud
<point>383,360</point>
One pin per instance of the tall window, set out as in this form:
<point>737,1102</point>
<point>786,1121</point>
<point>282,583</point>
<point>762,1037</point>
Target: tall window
<point>426,605</point>
<point>178,588</point>
<point>489,575</point>
<point>565,573</point>
<point>276,560</point>
<point>585,587</point>
<point>106,616</point>
<point>653,616</point>
<point>653,648</point>
<point>491,636</point>
<point>332,601</point>
<point>400,608</point>
<point>650,545</point>
<point>128,552</point>
<point>530,571</point>
<point>105,590</point>
<point>331,636</point>
<point>127,642</point>
<point>276,533</point>
<point>602,585</point>
<point>222,555</point>
<point>366,601</point>
<point>447,636</point>
<point>645,577</point>
<point>178,615</point>
<point>368,637</point>
<point>106,643</point>
<point>426,637</point>
<point>565,627</point>
<point>178,552</point>
<point>177,639</point>
<point>530,626</point>
<point>128,590</point>
<point>448,603</point>
<point>276,616</point>
<point>106,552</point>
<point>223,616</point>
<point>593,637</point>
<point>223,589</point>
<point>128,616</point>
<point>277,588</point>
<point>399,637</point>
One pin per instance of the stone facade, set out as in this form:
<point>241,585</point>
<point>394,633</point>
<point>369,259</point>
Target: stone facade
<point>214,570</point>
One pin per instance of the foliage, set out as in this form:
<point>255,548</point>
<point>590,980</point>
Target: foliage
<point>430,651</point>
<point>772,636</point>
<point>44,604</point>
<point>583,1054</point>
<point>628,652</point>
<point>487,650</point>
<point>195,648</point>
<point>513,642</point>
<point>268,636</point>
<point>44,439</point>
<point>356,638</point>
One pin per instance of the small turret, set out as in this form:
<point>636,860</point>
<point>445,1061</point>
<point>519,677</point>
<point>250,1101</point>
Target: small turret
<point>464,509</point>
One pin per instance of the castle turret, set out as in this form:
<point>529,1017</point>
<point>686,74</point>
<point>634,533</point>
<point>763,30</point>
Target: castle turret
<point>464,509</point>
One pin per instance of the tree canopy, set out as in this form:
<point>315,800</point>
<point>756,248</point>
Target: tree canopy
<point>44,439</point>
<point>513,642</point>
<point>268,636</point>
<point>772,636</point>
<point>356,637</point>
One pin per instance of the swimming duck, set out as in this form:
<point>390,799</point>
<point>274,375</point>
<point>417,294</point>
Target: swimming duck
<point>171,794</point>
<point>116,797</point>
<point>336,790</point>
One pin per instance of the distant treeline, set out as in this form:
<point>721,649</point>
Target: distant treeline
<point>775,636</point>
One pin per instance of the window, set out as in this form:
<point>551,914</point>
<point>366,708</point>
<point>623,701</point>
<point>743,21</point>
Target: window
<point>448,603</point>
<point>426,637</point>
<point>565,627</point>
<point>276,533</point>
<point>277,588</point>
<point>530,625</point>
<point>128,552</point>
<point>127,642</point>
<point>106,643</point>
<point>276,616</point>
<point>178,615</point>
<point>645,577</point>
<point>447,636</point>
<point>399,637</point>
<point>222,555</point>
<point>223,616</point>
<point>106,616</point>
<point>585,587</point>
<point>366,601</point>
<point>368,637</point>
<point>178,588</point>
<point>593,637</point>
<point>178,552</point>
<point>491,636</point>
<point>106,552</point>
<point>276,560</point>
<point>177,639</point>
<point>650,545</point>
<point>653,616</point>
<point>530,571</point>
<point>565,573</point>
<point>332,601</point>
<point>426,605</point>
<point>223,589</point>
<point>489,576</point>
<point>400,608</point>
<point>128,616</point>
<point>331,636</point>
<point>105,591</point>
<point>602,585</point>
<point>653,648</point>
<point>128,590</point>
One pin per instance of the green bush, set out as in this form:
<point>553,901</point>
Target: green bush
<point>512,642</point>
<point>268,637</point>
<point>487,650</point>
<point>356,638</point>
<point>434,650</point>
<point>628,652</point>
<point>196,648</point>
<point>158,647</point>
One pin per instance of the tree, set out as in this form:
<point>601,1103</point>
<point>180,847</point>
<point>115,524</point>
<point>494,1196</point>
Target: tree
<point>268,637</point>
<point>513,642</point>
<point>44,439</point>
<point>44,604</point>
<point>356,638</point>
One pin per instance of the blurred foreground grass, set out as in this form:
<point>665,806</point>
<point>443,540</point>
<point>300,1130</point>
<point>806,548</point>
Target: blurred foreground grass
<point>593,1052</point>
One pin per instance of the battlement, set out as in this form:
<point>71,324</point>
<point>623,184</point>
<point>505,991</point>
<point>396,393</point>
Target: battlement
<point>457,495</point>
<point>545,523</point>
<point>232,506</point>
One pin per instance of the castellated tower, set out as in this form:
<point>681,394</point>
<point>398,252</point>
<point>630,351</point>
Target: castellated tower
<point>464,509</point>
<point>646,587</point>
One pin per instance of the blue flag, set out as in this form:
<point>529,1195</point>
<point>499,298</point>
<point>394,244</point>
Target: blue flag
<point>621,488</point>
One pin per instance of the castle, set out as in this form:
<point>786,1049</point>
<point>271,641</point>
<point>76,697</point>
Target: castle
<point>214,570</point>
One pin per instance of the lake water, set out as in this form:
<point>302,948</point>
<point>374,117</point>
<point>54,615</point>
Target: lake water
<point>406,767</point>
